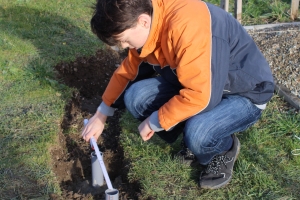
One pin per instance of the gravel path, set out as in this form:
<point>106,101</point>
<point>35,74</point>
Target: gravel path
<point>281,47</point>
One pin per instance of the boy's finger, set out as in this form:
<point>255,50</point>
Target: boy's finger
<point>151,134</point>
<point>148,136</point>
<point>83,132</point>
<point>97,135</point>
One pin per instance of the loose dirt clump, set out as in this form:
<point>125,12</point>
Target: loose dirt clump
<point>71,157</point>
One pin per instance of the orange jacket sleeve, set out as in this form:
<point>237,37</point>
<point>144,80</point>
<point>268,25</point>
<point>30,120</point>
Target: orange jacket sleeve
<point>126,72</point>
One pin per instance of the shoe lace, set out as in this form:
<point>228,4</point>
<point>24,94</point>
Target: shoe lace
<point>215,164</point>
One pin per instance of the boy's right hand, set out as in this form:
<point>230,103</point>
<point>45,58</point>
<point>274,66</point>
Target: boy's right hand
<point>145,130</point>
<point>94,127</point>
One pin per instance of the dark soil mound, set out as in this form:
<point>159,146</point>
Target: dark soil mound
<point>71,157</point>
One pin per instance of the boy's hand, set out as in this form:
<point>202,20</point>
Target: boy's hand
<point>145,131</point>
<point>94,127</point>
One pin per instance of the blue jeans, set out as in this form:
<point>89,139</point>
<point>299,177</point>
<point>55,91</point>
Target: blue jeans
<point>206,134</point>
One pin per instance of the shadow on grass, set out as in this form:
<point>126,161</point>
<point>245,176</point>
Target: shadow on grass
<point>55,39</point>
<point>281,184</point>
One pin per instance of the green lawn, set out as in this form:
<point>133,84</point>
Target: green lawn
<point>266,168</point>
<point>36,35</point>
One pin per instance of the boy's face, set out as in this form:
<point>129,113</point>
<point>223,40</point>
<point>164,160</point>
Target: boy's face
<point>136,37</point>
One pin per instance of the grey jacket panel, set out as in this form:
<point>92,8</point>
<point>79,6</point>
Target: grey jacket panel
<point>235,53</point>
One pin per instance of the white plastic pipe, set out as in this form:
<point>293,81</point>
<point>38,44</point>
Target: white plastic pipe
<point>99,158</point>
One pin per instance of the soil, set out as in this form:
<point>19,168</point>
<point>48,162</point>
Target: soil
<point>71,156</point>
<point>90,75</point>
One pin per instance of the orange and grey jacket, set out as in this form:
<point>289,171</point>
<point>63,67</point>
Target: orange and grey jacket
<point>207,51</point>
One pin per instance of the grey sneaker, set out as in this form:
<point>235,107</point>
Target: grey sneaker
<point>219,171</point>
<point>185,155</point>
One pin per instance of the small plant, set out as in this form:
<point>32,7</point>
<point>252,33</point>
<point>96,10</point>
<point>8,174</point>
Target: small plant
<point>279,11</point>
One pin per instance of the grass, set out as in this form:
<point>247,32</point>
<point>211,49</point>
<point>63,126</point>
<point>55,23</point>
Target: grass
<point>262,11</point>
<point>266,169</point>
<point>36,35</point>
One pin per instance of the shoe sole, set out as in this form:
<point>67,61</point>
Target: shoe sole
<point>226,182</point>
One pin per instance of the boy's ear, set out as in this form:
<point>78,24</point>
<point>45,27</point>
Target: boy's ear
<point>144,20</point>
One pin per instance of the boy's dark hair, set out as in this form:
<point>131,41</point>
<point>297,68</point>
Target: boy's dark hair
<point>112,17</point>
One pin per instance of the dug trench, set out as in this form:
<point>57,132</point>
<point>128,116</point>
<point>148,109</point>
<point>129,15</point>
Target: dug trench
<point>71,157</point>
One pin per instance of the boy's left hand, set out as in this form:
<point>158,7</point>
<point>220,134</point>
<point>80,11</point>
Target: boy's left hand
<point>145,131</point>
